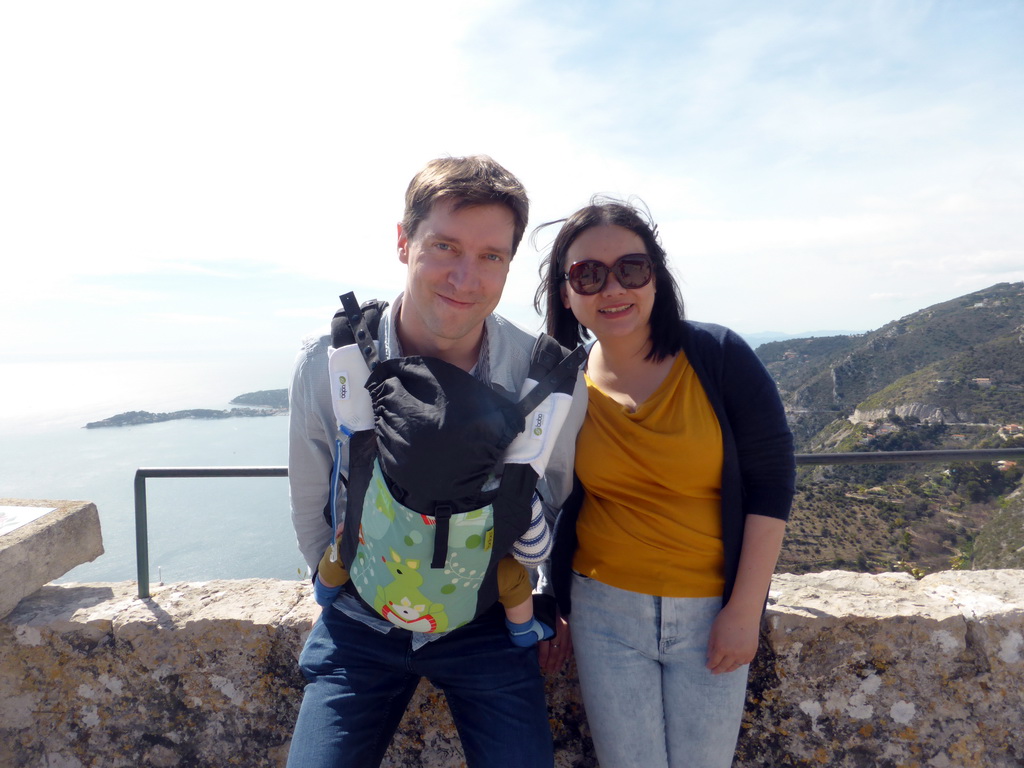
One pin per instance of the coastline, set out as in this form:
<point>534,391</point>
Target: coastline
<point>132,418</point>
<point>267,402</point>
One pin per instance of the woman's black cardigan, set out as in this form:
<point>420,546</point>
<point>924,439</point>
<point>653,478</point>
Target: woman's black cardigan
<point>758,469</point>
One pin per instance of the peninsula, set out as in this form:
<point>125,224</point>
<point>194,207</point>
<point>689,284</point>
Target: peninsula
<point>268,402</point>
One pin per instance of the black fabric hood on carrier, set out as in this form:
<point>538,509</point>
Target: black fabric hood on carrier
<point>440,431</point>
<point>441,471</point>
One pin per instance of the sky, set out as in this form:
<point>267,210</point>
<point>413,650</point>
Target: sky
<point>202,179</point>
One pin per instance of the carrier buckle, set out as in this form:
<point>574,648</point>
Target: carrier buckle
<point>442,515</point>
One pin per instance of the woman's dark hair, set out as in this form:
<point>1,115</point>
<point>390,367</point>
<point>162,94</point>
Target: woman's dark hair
<point>666,323</point>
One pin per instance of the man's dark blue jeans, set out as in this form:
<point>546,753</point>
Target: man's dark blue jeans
<point>361,681</point>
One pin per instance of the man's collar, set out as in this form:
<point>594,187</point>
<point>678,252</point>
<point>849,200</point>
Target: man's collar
<point>485,362</point>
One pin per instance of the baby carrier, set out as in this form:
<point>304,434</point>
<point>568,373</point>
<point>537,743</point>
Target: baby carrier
<point>427,517</point>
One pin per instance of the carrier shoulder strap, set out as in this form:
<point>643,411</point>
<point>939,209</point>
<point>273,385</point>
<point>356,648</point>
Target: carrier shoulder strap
<point>355,324</point>
<point>343,333</point>
<point>568,365</point>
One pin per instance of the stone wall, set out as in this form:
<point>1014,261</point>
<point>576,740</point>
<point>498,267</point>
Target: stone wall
<point>36,553</point>
<point>855,670</point>
<point>886,671</point>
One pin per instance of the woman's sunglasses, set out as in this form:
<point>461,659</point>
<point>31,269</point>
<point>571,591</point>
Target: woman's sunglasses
<point>634,270</point>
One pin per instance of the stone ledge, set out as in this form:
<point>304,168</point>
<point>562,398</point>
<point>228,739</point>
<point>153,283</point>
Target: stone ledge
<point>201,674</point>
<point>884,670</point>
<point>46,548</point>
<point>855,670</point>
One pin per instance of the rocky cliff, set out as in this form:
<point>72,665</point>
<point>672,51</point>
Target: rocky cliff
<point>923,412</point>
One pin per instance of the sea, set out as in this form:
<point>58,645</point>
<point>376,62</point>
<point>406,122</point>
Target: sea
<point>199,528</point>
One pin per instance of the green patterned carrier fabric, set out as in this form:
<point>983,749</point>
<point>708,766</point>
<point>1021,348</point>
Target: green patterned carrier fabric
<point>392,562</point>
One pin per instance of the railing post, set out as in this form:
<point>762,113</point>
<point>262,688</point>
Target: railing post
<point>141,535</point>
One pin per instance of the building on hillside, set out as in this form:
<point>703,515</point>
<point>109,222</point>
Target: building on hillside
<point>1011,432</point>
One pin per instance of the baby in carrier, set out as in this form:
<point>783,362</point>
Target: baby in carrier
<point>424,485</point>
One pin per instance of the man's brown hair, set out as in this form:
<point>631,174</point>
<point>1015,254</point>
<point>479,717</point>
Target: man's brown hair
<point>465,182</point>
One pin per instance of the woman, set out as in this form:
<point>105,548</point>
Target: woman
<point>665,551</point>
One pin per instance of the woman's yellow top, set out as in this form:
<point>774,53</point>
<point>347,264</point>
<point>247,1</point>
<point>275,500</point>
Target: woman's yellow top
<point>651,519</point>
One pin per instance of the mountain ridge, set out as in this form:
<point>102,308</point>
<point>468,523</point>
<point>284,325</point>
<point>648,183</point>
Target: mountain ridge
<point>964,339</point>
<point>948,376</point>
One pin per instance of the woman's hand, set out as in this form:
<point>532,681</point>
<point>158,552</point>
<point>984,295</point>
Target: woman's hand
<point>733,640</point>
<point>734,633</point>
<point>555,652</point>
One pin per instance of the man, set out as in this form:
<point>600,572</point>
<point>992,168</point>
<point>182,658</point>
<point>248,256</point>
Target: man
<point>464,219</point>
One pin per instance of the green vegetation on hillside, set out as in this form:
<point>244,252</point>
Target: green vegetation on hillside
<point>983,383</point>
<point>931,519</point>
<point>268,398</point>
<point>948,377</point>
<point>1001,543</point>
<point>974,336</point>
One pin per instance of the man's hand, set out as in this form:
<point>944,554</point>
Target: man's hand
<point>555,652</point>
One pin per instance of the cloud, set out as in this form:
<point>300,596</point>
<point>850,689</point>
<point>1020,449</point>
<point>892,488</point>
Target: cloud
<point>173,318</point>
<point>199,159</point>
<point>319,313</point>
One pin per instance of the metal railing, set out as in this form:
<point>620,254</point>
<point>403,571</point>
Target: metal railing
<point>865,457</point>
<point>142,513</point>
<point>910,457</point>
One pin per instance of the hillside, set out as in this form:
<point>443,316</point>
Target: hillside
<point>977,336</point>
<point>134,418</point>
<point>1001,543</point>
<point>266,398</point>
<point>948,376</point>
<point>982,384</point>
<point>267,402</point>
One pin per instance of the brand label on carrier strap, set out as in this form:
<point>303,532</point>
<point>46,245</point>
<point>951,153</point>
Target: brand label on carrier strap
<point>537,424</point>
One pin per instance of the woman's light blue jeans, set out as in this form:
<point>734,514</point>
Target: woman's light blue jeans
<point>650,699</point>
